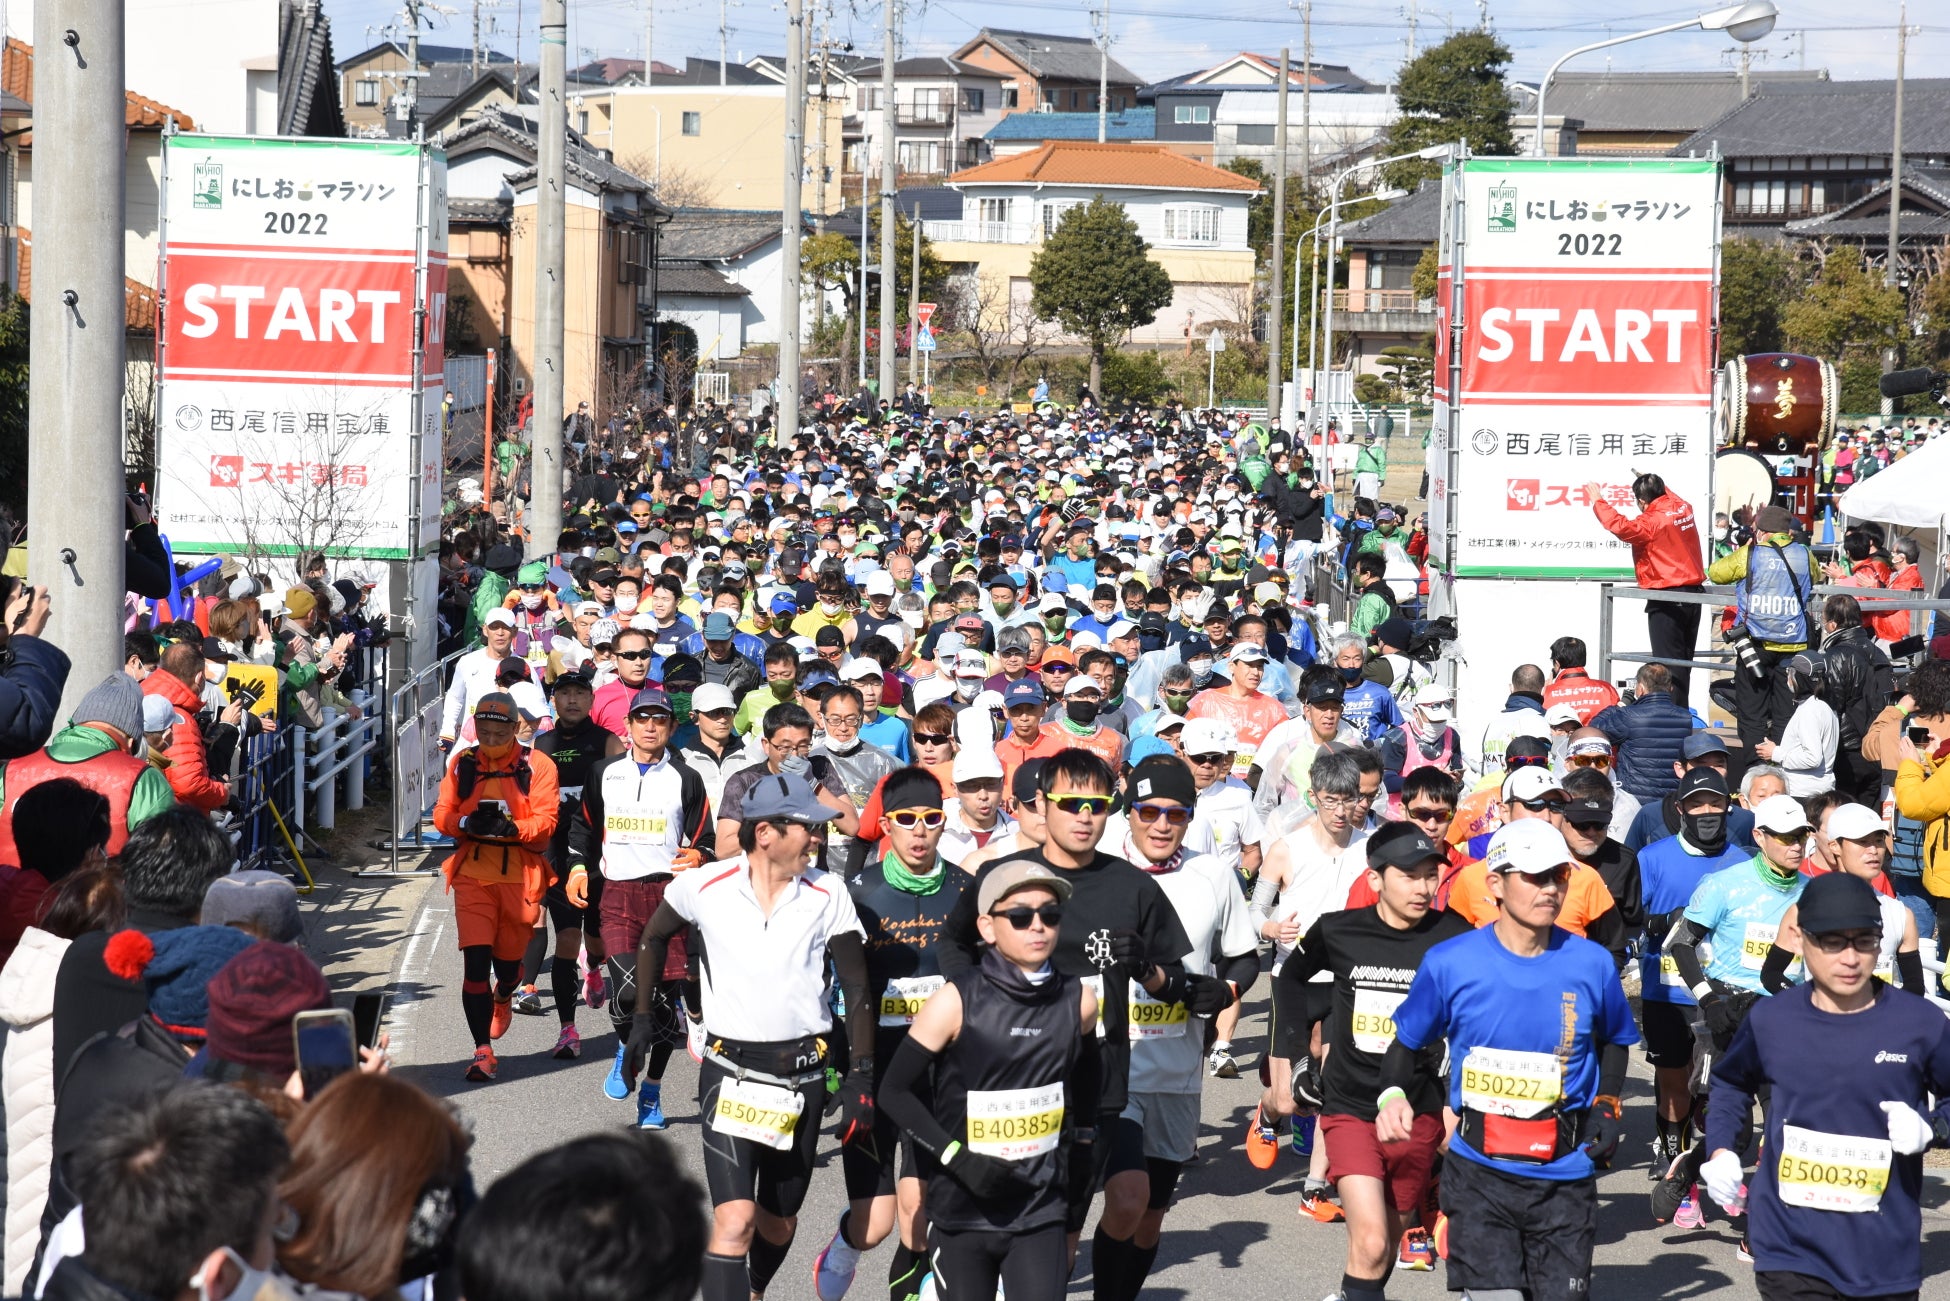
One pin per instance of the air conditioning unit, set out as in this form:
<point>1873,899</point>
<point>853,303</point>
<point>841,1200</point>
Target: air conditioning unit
<point>1045,107</point>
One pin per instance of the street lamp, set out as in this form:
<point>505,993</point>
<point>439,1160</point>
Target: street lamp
<point>1313,299</point>
<point>1743,22</point>
<point>1333,239</point>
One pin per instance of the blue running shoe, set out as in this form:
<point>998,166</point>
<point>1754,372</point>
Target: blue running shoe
<point>650,1107</point>
<point>1303,1136</point>
<point>614,1085</point>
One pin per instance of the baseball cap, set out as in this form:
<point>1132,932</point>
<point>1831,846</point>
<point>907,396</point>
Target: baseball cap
<point>970,622</point>
<point>785,797</point>
<point>1526,785</point>
<point>1079,684</point>
<point>1587,809</point>
<point>1403,845</point>
<point>1057,655</point>
<point>589,607</point>
<point>498,615</point>
<point>1532,845</point>
<point>604,631</point>
<point>1560,714</point>
<point>1024,691</point>
<point>1052,603</point>
<point>1701,781</point>
<point>1015,876</point>
<point>1781,814</point>
<point>496,706</point>
<point>1247,653</point>
<point>213,650</point>
<point>1121,628</point>
<point>718,626</point>
<point>1207,736</point>
<point>1327,691</point>
<point>976,763</point>
<point>1854,822</point>
<point>1437,701</point>
<point>1164,777</point>
<point>1836,901</point>
<point>859,669</point>
<point>880,583</point>
<point>266,900</point>
<point>710,696</point>
<point>785,603</point>
<point>1702,743</point>
<point>649,700</point>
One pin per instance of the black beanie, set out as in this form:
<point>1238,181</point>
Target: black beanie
<point>912,787</point>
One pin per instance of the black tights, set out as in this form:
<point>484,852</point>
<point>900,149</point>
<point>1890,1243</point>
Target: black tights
<point>622,1005</point>
<point>477,963</point>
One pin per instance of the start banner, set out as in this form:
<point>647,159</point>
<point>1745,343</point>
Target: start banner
<point>294,271</point>
<point>1583,336</point>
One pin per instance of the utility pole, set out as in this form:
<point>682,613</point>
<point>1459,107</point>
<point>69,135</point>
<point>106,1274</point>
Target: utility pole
<point>1277,274</point>
<point>1306,100</point>
<point>474,67</point>
<point>819,130</point>
<point>75,376</point>
<point>914,302</point>
<point>1411,30</point>
<point>1892,273</point>
<point>890,13</point>
<point>551,213</point>
<point>649,23</point>
<point>791,301</point>
<point>724,41</point>
<point>1103,69</point>
<point>412,91</point>
<point>1746,64</point>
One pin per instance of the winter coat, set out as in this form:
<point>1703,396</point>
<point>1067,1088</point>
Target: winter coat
<point>27,1088</point>
<point>189,763</point>
<point>1649,736</point>
<point>32,673</point>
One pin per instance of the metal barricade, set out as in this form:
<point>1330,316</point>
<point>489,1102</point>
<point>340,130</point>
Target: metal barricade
<point>413,732</point>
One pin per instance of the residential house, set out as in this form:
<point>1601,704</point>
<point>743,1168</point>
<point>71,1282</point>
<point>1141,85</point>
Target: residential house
<point>1044,73</point>
<point>1923,221</point>
<point>1021,133</point>
<point>1229,110</point>
<point>942,110</point>
<point>1375,305</point>
<point>720,274</point>
<point>308,89</point>
<point>1638,114</point>
<point>620,72</point>
<point>1192,215</point>
<point>370,80</point>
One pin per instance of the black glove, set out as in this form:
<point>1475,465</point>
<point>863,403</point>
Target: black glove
<point>643,1036</point>
<point>1721,1019</point>
<point>1308,1096</point>
<point>1603,1130</point>
<point>987,1177</point>
<point>857,1110</point>
<point>1207,995</point>
<point>489,824</point>
<point>1126,954</point>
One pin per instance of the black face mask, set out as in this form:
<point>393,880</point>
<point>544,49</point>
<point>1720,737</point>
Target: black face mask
<point>1706,831</point>
<point>1082,712</point>
<point>1352,674</point>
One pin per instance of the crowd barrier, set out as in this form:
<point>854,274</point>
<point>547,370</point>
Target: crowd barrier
<point>413,733</point>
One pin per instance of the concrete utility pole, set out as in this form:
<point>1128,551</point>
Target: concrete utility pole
<point>551,213</point>
<point>1892,273</point>
<point>412,91</point>
<point>649,25</point>
<point>791,304</point>
<point>1276,274</point>
<point>1306,98</point>
<point>474,64</point>
<point>914,301</point>
<point>76,380</point>
<point>1103,70</point>
<point>819,133</point>
<point>724,38</point>
<point>888,182</point>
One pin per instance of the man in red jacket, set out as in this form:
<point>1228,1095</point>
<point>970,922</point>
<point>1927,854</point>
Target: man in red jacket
<point>179,679</point>
<point>1666,556</point>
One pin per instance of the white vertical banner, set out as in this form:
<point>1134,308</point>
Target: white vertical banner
<point>292,312</point>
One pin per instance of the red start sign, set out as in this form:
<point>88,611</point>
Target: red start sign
<point>1643,338</point>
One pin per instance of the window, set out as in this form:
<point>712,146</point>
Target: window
<point>1053,214</point>
<point>920,155</point>
<point>1261,134</point>
<point>582,122</point>
<point>1192,114</point>
<point>365,92</point>
<point>972,100</point>
<point>1192,224</point>
<point>869,98</point>
<point>693,124</point>
<point>1010,97</point>
<point>927,106</point>
<point>1392,268</point>
<point>992,211</point>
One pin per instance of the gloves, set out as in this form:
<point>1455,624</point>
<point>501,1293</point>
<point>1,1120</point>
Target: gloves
<point>576,888</point>
<point>1721,1020</point>
<point>685,859</point>
<point>1308,1096</point>
<point>1909,1129</point>
<point>1605,1128</point>
<point>1126,950</point>
<point>643,1036</point>
<point>857,1110</point>
<point>1207,995</point>
<point>489,824</point>
<point>1722,1176</point>
<point>987,1177</point>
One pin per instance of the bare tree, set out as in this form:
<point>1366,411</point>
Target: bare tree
<point>675,186</point>
<point>1000,331</point>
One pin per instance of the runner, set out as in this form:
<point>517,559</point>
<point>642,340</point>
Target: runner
<point>1157,1133</point>
<point>1227,825</point>
<point>1372,954</point>
<point>644,814</point>
<point>1540,1024</point>
<point>1025,809</point>
<point>1010,1046</point>
<point>1861,848</point>
<point>767,1015</point>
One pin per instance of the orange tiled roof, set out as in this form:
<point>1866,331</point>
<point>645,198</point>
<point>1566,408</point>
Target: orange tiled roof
<point>141,112</point>
<point>1074,162</point>
<point>139,300</point>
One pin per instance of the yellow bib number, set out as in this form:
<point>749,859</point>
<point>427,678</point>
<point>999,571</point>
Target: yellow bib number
<point>1754,944</point>
<point>630,829</point>
<point>1374,1018</point>
<point>1152,1019</point>
<point>1832,1172</point>
<point>1503,1082</point>
<point>763,1113</point>
<point>901,1002</point>
<point>1015,1124</point>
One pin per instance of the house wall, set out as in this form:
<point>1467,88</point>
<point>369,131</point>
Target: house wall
<point>1145,207</point>
<point>961,126</point>
<point>719,323</point>
<point>588,286</point>
<point>363,119</point>
<point>479,266</point>
<point>737,159</point>
<point>1207,287</point>
<point>142,183</point>
<point>482,175</point>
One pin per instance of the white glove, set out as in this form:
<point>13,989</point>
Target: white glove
<point>1722,1176</point>
<point>1909,1130</point>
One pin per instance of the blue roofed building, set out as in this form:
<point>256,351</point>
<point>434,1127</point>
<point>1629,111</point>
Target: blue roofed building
<point>1020,133</point>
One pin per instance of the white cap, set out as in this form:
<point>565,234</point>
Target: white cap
<point>1207,736</point>
<point>1562,713</point>
<point>929,690</point>
<point>987,701</point>
<point>710,696</point>
<point>1122,628</point>
<point>1051,602</point>
<point>498,615</point>
<point>589,607</point>
<point>860,668</point>
<point>1854,822</point>
<point>1532,845</point>
<point>1171,723</point>
<point>1080,682</point>
<point>1437,701</point>
<point>1531,783</point>
<point>1084,641</point>
<point>880,583</point>
<point>975,763</point>
<point>1782,815</point>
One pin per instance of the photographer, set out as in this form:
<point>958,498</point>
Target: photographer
<point>178,680</point>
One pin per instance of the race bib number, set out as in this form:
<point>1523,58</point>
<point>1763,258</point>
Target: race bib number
<point>1153,1019</point>
<point>1096,986</point>
<point>1374,1019</point>
<point>1832,1172</point>
<point>1754,944</point>
<point>1504,1082</point>
<point>901,1002</point>
<point>631,829</point>
<point>1669,972</point>
<point>1015,1124</point>
<point>763,1113</point>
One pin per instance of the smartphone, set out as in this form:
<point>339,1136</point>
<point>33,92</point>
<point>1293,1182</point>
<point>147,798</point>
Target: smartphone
<point>367,1010</point>
<point>1919,737</point>
<point>326,1046</point>
<point>496,805</point>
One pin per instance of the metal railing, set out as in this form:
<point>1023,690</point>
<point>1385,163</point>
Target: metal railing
<point>979,232</point>
<point>1381,300</point>
<point>413,730</point>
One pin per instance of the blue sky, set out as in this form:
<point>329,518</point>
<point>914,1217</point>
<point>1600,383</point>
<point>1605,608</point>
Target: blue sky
<point>1160,38</point>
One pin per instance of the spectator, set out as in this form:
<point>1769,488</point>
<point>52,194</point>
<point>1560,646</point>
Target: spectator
<point>139,654</point>
<point>306,671</point>
<point>87,900</point>
<point>1523,715</point>
<point>98,749</point>
<point>1648,736</point>
<point>1776,577</point>
<point>1806,750</point>
<point>259,903</point>
<point>62,827</point>
<point>1859,681</point>
<point>32,671</point>
<point>179,1192</point>
<point>1923,779</point>
<point>1571,685</point>
<point>1906,580</point>
<point>178,679</point>
<point>379,1182</point>
<point>1665,543</point>
<point>1374,600</point>
<point>609,1217</point>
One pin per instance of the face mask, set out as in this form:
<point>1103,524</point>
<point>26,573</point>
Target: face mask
<point>680,707</point>
<point>836,748</point>
<point>252,1284</point>
<point>847,540</point>
<point>532,600</point>
<point>1082,712</point>
<point>1055,621</point>
<point>829,608</point>
<point>969,688</point>
<point>1201,668</point>
<point>1706,831</point>
<point>913,619</point>
<point>782,690</point>
<point>1005,605</point>
<point>1352,675</point>
<point>796,764</point>
<point>626,604</point>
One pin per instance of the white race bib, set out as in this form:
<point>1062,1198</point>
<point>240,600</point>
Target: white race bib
<point>1832,1172</point>
<point>635,829</point>
<point>764,1113</point>
<point>1015,1124</point>
<point>1374,1018</point>
<point>1505,1082</point>
<point>901,1002</point>
<point>1759,937</point>
<point>1154,1019</point>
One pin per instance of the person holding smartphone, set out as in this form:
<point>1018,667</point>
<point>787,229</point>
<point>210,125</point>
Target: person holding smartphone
<point>32,671</point>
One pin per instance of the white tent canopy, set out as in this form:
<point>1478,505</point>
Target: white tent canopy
<point>1909,493</point>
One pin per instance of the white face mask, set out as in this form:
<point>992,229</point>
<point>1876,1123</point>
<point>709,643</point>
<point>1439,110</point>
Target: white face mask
<point>913,619</point>
<point>626,604</point>
<point>829,608</point>
<point>533,600</point>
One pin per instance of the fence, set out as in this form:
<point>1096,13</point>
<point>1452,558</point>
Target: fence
<point>413,729</point>
<point>467,381</point>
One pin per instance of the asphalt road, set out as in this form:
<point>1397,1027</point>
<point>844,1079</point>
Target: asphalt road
<point>1232,1226</point>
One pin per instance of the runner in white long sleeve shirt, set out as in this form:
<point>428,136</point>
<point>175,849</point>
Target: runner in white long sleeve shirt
<point>474,673</point>
<point>1806,751</point>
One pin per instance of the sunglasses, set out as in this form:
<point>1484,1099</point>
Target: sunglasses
<point>1430,815</point>
<point>1832,942</point>
<point>1050,914</point>
<point>1058,668</point>
<point>1602,762</point>
<point>910,818</point>
<point>1078,805</point>
<point>1209,760</point>
<point>1150,813</point>
<point>1538,806</point>
<point>713,713</point>
<point>1549,876</point>
<point>932,738</point>
<point>633,655</point>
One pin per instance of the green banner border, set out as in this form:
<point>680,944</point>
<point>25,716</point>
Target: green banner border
<point>192,140</point>
<point>1489,165</point>
<point>201,548</point>
<point>1545,571</point>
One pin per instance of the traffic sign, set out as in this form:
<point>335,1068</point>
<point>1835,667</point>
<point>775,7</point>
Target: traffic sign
<point>923,313</point>
<point>924,337</point>
<point>1215,342</point>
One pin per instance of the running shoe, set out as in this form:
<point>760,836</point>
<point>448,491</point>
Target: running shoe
<point>1441,1236</point>
<point>1677,1183</point>
<point>1315,1203</point>
<point>1665,1149</point>
<point>694,1039</point>
<point>616,1085</point>
<point>483,1067</point>
<point>1302,1140</point>
<point>1262,1141</point>
<point>1221,1063</point>
<point>1744,1253</point>
<point>528,1002</point>
<point>1417,1251</point>
<point>1689,1215</point>
<point>650,1107</point>
<point>833,1268</point>
<point>504,1016</point>
<point>595,990</point>
<point>568,1044</point>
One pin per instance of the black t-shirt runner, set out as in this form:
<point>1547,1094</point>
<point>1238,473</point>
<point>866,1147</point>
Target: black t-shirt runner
<point>1373,965</point>
<point>904,944</point>
<point>1108,894</point>
<point>575,751</point>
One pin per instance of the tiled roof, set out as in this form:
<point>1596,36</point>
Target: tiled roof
<point>703,234</point>
<point>696,280</point>
<point>1798,119</point>
<point>1067,162</point>
<point>1125,124</point>
<point>1651,101</point>
<point>308,95</point>
<point>1922,188</point>
<point>141,112</point>
<point>1056,58</point>
<point>138,299</point>
<point>430,55</point>
<point>1414,219</point>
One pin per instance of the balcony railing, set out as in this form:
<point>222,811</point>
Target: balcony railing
<point>1784,210</point>
<point>921,115</point>
<point>977,232</point>
<point>1380,300</point>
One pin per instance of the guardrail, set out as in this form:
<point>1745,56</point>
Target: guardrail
<point>413,732</point>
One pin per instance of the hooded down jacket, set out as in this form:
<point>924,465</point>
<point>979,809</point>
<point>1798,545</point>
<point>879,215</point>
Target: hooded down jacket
<point>27,1087</point>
